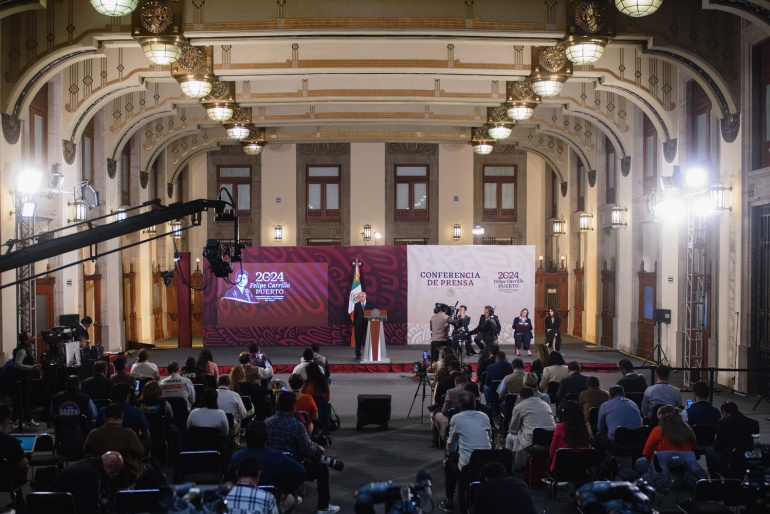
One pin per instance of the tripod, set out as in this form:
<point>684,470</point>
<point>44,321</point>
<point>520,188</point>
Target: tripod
<point>422,384</point>
<point>661,353</point>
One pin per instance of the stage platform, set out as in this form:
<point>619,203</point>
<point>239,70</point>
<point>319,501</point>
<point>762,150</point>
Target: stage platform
<point>341,358</point>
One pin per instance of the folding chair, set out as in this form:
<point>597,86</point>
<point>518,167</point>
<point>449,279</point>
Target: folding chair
<point>572,465</point>
<point>8,485</point>
<point>629,442</point>
<point>472,472</point>
<point>181,411</point>
<point>44,453</point>
<point>152,501</point>
<point>508,403</point>
<point>46,503</point>
<point>553,387</point>
<point>636,398</point>
<point>716,497</point>
<point>704,438</point>
<point>201,467</point>
<point>159,440</point>
<point>541,447</point>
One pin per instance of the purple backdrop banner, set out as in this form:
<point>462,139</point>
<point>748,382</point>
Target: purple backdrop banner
<point>383,277</point>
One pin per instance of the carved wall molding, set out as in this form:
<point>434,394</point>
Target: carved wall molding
<point>170,189</point>
<point>69,150</point>
<point>143,179</point>
<point>421,148</point>
<point>564,189</point>
<point>625,165</point>
<point>506,149</point>
<point>730,125</point>
<point>323,149</point>
<point>112,167</point>
<point>11,128</point>
<point>591,178</point>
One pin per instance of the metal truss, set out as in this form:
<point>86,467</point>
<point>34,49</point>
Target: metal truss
<point>695,293</point>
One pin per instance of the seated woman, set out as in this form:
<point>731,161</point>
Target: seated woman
<point>305,402</point>
<point>240,385</point>
<point>206,363</point>
<point>143,367</point>
<point>531,380</point>
<point>555,370</point>
<point>150,402</point>
<point>573,432</point>
<point>447,354</point>
<point>538,364</point>
<point>316,382</point>
<point>209,415</point>
<point>671,434</point>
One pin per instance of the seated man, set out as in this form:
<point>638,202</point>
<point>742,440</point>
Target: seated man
<point>285,433</point>
<point>10,449</point>
<point>307,358</point>
<point>701,412</point>
<point>592,397</point>
<point>71,402</point>
<point>133,418</point>
<point>513,382</point>
<point>616,412</point>
<point>177,386</point>
<point>88,481</point>
<point>527,415</point>
<point>734,430</point>
<point>98,386</point>
<point>246,496</point>
<point>112,436</point>
<point>574,383</point>
<point>469,430</point>
<point>497,371</point>
<point>230,402</point>
<point>279,470</point>
<point>122,376</point>
<point>451,401</point>
<point>632,382</point>
<point>661,393</point>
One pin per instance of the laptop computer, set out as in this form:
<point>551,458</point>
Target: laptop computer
<point>27,441</point>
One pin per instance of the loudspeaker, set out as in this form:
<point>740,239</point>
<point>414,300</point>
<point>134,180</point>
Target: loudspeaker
<point>661,316</point>
<point>69,320</point>
<point>373,409</point>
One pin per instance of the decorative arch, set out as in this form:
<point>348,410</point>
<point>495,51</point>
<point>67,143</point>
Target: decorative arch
<point>165,141</point>
<point>571,142</point>
<point>757,13</point>
<point>525,145</point>
<point>91,108</point>
<point>128,131</point>
<point>205,147</point>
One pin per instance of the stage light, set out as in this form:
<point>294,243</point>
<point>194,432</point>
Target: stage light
<point>478,230</point>
<point>696,178</point>
<point>28,182</point>
<point>27,209</point>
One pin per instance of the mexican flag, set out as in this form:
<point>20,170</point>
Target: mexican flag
<point>354,290</point>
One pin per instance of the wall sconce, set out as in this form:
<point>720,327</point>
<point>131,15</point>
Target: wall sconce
<point>584,222</point>
<point>561,262</point>
<point>559,227</point>
<point>456,234</point>
<point>367,233</point>
<point>120,214</point>
<point>79,211</point>
<point>717,192</point>
<point>194,71</point>
<point>220,102</point>
<point>239,125</point>
<point>618,217</point>
<point>151,230</point>
<point>478,230</point>
<point>176,229</point>
<point>278,233</point>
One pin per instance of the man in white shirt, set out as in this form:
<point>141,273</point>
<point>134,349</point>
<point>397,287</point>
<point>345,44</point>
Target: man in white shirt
<point>307,359</point>
<point>230,402</point>
<point>177,386</point>
<point>469,430</point>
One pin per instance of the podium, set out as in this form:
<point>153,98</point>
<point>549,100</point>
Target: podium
<point>375,351</point>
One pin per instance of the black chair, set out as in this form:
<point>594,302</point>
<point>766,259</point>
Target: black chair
<point>211,381</point>
<point>553,387</point>
<point>736,467</point>
<point>636,398</point>
<point>541,446</point>
<point>142,382</point>
<point>474,486</point>
<point>199,388</point>
<point>201,467</point>
<point>181,411</point>
<point>153,501</point>
<point>575,397</point>
<point>508,403</point>
<point>9,483</point>
<point>44,453</point>
<point>593,419</point>
<point>494,398</point>
<point>629,442</point>
<point>100,403</point>
<point>704,438</point>
<point>715,497</point>
<point>472,472</point>
<point>571,465</point>
<point>160,444</point>
<point>67,443</point>
<point>45,503</point>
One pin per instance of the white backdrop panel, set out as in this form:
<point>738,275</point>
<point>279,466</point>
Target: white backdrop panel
<point>473,275</point>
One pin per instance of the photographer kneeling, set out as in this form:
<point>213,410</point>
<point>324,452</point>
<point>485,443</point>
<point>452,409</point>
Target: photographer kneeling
<point>439,329</point>
<point>287,434</point>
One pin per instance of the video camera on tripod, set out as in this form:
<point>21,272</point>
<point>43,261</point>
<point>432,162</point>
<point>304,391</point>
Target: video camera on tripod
<point>58,334</point>
<point>447,309</point>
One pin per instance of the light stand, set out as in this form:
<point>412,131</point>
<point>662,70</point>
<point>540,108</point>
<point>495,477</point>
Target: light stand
<point>421,384</point>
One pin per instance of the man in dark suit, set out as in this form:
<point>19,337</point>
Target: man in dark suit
<point>460,332</point>
<point>575,382</point>
<point>98,386</point>
<point>359,322</point>
<point>701,412</point>
<point>734,430</point>
<point>81,331</point>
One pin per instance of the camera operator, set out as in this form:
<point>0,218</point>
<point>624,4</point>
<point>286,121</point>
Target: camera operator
<point>489,327</point>
<point>287,434</point>
<point>460,332</point>
<point>24,366</point>
<point>439,329</point>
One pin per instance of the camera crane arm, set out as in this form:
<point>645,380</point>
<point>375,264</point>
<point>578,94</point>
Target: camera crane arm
<point>48,245</point>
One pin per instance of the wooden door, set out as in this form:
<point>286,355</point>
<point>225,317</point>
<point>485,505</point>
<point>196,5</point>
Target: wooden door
<point>551,290</point>
<point>608,307</point>
<point>196,281</point>
<point>647,304</point>
<point>44,312</point>
<point>92,302</point>
<point>129,303</point>
<point>172,326</point>
<point>577,324</point>
<point>157,305</point>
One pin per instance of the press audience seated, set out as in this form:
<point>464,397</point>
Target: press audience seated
<point>572,432</point>
<point>445,383</point>
<point>71,402</point>
<point>515,381</point>
<point>487,357</point>
<point>734,430</point>
<point>473,388</point>
<point>177,386</point>
<point>527,415</point>
<point>593,396</point>
<point>133,418</point>
<point>206,363</point>
<point>209,415</point>
<point>278,469</point>
<point>230,402</point>
<point>531,380</point>
<point>122,376</point>
<point>245,496</point>
<point>499,492</point>
<point>701,412</point>
<point>497,371</point>
<point>554,371</point>
<point>671,434</point>
<point>317,383</point>
<point>307,358</point>
<point>451,402</point>
<point>286,434</point>
<point>616,412</point>
<point>573,383</point>
<point>88,481</point>
<point>143,368</point>
<point>191,372</point>
<point>661,393</point>
<point>305,402</point>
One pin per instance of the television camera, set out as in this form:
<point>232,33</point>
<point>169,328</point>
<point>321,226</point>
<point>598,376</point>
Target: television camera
<point>221,258</point>
<point>398,499</point>
<point>58,334</point>
<point>447,309</point>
